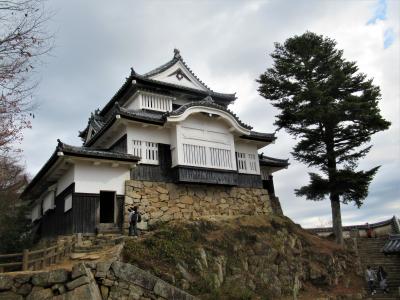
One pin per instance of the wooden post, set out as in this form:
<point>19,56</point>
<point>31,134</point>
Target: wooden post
<point>25,260</point>
<point>1,269</point>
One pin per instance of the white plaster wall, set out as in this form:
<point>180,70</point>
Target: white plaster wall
<point>65,180</point>
<point>149,134</point>
<point>90,178</point>
<point>245,147</point>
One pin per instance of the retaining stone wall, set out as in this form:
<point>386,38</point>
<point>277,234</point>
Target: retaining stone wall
<point>90,281</point>
<point>159,201</point>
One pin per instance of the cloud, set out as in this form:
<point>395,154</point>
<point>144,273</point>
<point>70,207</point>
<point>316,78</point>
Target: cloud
<point>379,13</point>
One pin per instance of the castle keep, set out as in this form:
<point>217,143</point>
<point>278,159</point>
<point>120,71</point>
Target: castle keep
<point>165,142</point>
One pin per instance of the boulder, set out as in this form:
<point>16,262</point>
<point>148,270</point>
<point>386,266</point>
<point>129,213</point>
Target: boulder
<point>58,276</point>
<point>6,282</point>
<point>10,296</point>
<point>39,293</point>
<point>40,279</point>
<point>77,282</point>
<point>79,270</point>
<point>102,269</point>
<point>24,289</point>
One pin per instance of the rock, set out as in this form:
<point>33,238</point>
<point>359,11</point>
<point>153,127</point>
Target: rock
<point>85,292</point>
<point>77,282</point>
<point>24,289</point>
<point>10,296</point>
<point>40,279</point>
<point>6,282</point>
<point>102,269</point>
<point>186,199</point>
<point>104,292</point>
<point>134,275</point>
<point>203,257</point>
<point>57,276</point>
<point>107,282</point>
<point>164,290</point>
<point>79,270</point>
<point>58,288</point>
<point>161,190</point>
<point>185,273</point>
<point>39,293</point>
<point>22,278</point>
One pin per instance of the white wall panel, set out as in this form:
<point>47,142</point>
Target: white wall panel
<point>90,178</point>
<point>65,180</point>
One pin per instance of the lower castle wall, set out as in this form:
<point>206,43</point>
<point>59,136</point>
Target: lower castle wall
<point>160,201</point>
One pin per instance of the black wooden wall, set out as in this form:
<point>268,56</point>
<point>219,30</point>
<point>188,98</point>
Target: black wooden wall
<point>56,221</point>
<point>82,218</point>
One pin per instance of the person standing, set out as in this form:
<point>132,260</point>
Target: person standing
<point>370,277</point>
<point>382,275</point>
<point>134,218</point>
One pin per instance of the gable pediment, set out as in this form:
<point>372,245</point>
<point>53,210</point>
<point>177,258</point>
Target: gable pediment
<point>179,74</point>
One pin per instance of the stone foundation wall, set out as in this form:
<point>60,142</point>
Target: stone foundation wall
<point>159,201</point>
<point>90,281</point>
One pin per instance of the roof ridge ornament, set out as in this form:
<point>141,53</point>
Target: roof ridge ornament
<point>133,72</point>
<point>177,54</point>
<point>208,99</point>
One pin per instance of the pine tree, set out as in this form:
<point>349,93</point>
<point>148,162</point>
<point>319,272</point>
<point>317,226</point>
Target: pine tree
<point>332,110</point>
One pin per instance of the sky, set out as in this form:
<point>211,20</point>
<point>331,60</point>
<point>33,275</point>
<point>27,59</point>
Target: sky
<point>227,44</point>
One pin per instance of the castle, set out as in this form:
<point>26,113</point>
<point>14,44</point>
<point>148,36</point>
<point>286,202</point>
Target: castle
<point>166,143</point>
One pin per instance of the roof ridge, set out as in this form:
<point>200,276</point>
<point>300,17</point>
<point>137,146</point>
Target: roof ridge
<point>177,57</point>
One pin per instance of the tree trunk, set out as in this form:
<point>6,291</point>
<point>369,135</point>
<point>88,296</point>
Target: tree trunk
<point>336,219</point>
<point>334,197</point>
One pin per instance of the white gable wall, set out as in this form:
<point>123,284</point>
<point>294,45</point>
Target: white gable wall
<point>90,178</point>
<point>165,77</point>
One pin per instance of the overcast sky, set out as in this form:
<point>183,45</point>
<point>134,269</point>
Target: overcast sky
<point>227,44</point>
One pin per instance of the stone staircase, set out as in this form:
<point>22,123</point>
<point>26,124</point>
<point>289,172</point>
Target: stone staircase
<point>369,250</point>
<point>97,243</point>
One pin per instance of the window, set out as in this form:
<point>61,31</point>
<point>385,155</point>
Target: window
<point>67,203</point>
<point>35,214</point>
<point>156,102</point>
<point>241,161</point>
<point>247,163</point>
<point>147,151</point>
<point>48,201</point>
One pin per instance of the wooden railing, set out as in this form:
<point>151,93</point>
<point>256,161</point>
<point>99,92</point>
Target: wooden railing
<point>36,259</point>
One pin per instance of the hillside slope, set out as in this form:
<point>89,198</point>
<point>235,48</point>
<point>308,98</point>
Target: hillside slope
<point>253,257</point>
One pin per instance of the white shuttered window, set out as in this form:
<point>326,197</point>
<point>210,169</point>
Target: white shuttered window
<point>147,151</point>
<point>247,163</point>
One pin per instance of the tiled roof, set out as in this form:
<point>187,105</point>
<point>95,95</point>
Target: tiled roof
<point>207,102</point>
<point>145,116</point>
<point>260,136</point>
<point>146,79</point>
<point>393,222</point>
<point>392,246</point>
<point>69,150</point>
<point>273,162</point>
<point>94,152</point>
<point>177,57</point>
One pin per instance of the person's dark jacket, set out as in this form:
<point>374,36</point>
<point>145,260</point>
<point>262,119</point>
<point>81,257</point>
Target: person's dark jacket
<point>381,275</point>
<point>134,218</point>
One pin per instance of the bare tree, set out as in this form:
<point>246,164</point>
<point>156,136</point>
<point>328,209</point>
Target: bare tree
<point>23,40</point>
